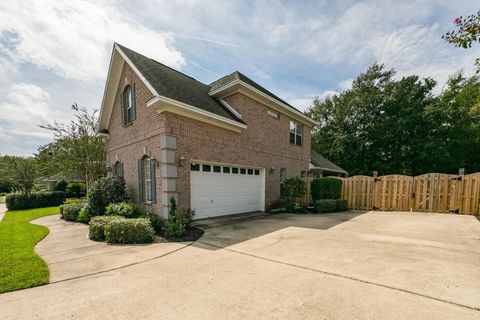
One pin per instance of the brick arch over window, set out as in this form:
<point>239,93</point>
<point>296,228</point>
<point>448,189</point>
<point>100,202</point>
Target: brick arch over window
<point>147,180</point>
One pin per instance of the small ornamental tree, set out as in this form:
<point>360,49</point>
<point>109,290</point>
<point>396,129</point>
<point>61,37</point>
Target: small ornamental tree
<point>467,33</point>
<point>293,188</point>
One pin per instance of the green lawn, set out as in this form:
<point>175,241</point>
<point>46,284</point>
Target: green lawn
<point>20,266</point>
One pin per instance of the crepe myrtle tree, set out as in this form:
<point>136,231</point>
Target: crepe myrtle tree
<point>466,33</point>
<point>77,148</point>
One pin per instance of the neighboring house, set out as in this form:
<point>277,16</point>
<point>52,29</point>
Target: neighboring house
<point>220,149</point>
<point>52,181</point>
<point>322,167</point>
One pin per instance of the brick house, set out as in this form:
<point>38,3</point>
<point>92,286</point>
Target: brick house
<point>220,149</point>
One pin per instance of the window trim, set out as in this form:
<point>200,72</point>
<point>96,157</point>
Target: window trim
<point>295,131</point>
<point>128,104</point>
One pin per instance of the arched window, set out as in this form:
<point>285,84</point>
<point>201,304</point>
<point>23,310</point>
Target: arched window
<point>118,169</point>
<point>146,180</point>
<point>128,104</point>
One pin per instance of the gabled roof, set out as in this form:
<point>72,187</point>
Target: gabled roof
<point>176,92</point>
<point>321,162</point>
<point>239,76</point>
<point>175,85</point>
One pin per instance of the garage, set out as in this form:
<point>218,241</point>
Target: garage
<point>218,190</point>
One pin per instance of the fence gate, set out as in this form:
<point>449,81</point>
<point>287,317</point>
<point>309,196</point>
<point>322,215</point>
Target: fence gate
<point>437,192</point>
<point>393,192</point>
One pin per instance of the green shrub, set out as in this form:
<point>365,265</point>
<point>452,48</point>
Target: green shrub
<point>34,200</point>
<point>293,188</point>
<point>75,189</point>
<point>124,209</point>
<point>6,186</point>
<point>105,191</point>
<point>178,223</point>
<point>155,220</point>
<point>138,230</point>
<point>70,212</point>
<point>326,188</point>
<point>60,186</point>
<point>85,214</point>
<point>96,226</point>
<point>325,205</point>
<point>68,202</point>
<point>342,205</point>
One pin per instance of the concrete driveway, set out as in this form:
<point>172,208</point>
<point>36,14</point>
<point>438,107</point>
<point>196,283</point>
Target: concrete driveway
<point>337,266</point>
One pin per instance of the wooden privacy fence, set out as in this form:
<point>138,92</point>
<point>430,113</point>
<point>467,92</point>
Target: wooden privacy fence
<point>431,192</point>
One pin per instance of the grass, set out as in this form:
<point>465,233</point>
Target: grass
<point>20,266</point>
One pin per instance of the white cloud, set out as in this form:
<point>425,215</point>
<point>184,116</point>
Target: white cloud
<point>26,107</point>
<point>74,39</point>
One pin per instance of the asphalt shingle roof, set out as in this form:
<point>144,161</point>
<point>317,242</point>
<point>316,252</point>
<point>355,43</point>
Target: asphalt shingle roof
<point>239,76</point>
<point>321,162</point>
<point>176,85</point>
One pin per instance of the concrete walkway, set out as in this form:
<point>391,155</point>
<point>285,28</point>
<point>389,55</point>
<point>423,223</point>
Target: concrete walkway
<point>338,266</point>
<point>3,209</point>
<point>71,254</point>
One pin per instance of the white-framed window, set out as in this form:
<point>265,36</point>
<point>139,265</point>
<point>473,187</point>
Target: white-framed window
<point>146,180</point>
<point>296,133</point>
<point>128,104</point>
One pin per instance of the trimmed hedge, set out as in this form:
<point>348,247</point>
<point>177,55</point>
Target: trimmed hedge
<point>96,229</point>
<point>70,212</point>
<point>34,200</point>
<point>137,230</point>
<point>342,205</point>
<point>325,205</point>
<point>326,188</point>
<point>124,209</point>
<point>156,221</point>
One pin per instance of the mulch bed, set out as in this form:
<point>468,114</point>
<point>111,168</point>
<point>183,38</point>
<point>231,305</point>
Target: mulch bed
<point>192,234</point>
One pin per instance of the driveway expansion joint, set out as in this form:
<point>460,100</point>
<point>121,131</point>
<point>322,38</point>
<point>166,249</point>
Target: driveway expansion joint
<point>333,274</point>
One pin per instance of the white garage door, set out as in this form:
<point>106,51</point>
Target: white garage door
<point>218,190</point>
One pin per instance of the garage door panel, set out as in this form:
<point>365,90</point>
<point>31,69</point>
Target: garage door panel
<point>215,194</point>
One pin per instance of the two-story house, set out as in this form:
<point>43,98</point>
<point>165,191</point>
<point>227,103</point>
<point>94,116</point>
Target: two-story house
<point>219,148</point>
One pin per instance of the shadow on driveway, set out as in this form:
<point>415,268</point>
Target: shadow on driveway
<point>226,231</point>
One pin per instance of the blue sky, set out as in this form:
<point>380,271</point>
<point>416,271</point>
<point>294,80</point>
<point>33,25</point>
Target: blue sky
<point>55,53</point>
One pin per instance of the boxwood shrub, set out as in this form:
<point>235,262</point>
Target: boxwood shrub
<point>96,226</point>
<point>342,204</point>
<point>75,190</point>
<point>326,188</point>
<point>325,205</point>
<point>124,209</point>
<point>70,212</point>
<point>137,230</point>
<point>34,200</point>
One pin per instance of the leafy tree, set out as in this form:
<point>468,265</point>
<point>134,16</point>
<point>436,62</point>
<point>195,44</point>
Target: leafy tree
<point>398,126</point>
<point>20,172</point>
<point>77,148</point>
<point>467,32</point>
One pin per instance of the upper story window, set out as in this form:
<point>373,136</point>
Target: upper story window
<point>128,104</point>
<point>296,133</point>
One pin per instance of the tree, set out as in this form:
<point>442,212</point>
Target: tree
<point>468,32</point>
<point>20,172</point>
<point>77,148</point>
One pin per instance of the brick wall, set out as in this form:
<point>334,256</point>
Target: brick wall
<point>265,143</point>
<point>141,137</point>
